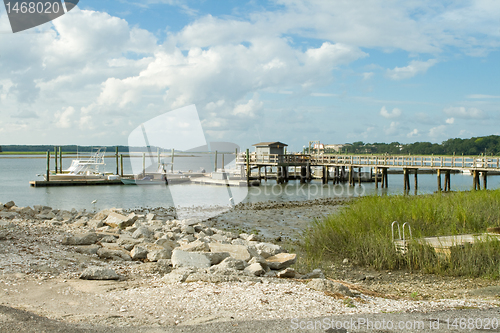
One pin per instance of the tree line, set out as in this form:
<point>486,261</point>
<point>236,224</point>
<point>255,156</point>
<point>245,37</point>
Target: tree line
<point>487,145</point>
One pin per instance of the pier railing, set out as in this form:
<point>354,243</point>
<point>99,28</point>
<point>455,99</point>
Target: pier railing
<point>480,163</point>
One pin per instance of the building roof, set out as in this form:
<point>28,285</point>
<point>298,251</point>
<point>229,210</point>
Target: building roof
<point>270,144</point>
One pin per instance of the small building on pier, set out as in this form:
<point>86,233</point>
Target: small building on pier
<point>267,148</point>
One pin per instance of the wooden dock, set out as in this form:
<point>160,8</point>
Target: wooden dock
<point>342,168</point>
<point>90,182</point>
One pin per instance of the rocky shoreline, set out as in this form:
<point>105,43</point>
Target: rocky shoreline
<point>146,267</point>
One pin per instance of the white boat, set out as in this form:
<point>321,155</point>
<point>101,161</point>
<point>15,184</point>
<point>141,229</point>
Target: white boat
<point>90,168</point>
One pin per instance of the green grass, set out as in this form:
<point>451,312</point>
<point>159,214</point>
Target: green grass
<point>361,232</point>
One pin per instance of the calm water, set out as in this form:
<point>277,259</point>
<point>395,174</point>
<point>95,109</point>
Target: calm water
<point>15,174</point>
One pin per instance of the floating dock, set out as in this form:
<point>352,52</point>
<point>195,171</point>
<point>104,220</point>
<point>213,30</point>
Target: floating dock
<point>92,182</point>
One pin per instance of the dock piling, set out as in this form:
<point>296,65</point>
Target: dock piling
<point>48,165</point>
<point>121,165</point>
<point>60,160</point>
<point>116,156</point>
<point>55,159</point>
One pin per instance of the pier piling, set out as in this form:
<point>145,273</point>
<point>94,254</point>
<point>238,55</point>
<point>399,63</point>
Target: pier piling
<point>60,160</point>
<point>48,165</point>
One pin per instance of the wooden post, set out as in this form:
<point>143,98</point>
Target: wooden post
<point>359,176</point>
<point>259,176</point>
<point>121,164</point>
<point>416,180</point>
<point>439,180</point>
<point>143,164</point>
<point>248,166</point>
<point>405,172</point>
<point>383,178</point>
<point>48,165</point>
<point>376,177</point>
<point>285,171</point>
<point>278,175</point>
<point>55,156</point>
<point>386,178</point>
<point>485,184</point>
<point>60,160</point>
<point>172,166</point>
<point>116,154</point>
<point>223,168</point>
<point>303,174</point>
<point>265,173</point>
<point>215,166</point>
<point>474,180</point>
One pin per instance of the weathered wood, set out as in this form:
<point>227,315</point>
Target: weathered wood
<point>121,165</point>
<point>416,180</point>
<point>485,181</point>
<point>60,160</point>
<point>359,176</point>
<point>215,162</point>
<point>248,167</point>
<point>439,180</point>
<point>48,165</point>
<point>117,164</point>
<point>376,177</point>
<point>55,159</point>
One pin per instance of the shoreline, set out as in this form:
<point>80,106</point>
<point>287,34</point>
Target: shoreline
<point>42,265</point>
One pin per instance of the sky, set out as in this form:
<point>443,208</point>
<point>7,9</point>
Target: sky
<point>293,71</point>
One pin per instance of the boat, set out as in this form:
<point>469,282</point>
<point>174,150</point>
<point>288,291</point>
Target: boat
<point>157,177</point>
<point>90,168</point>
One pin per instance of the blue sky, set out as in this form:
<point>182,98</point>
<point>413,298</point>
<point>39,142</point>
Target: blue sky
<point>287,70</point>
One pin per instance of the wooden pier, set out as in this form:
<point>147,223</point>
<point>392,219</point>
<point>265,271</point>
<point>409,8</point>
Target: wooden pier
<point>343,168</point>
<point>82,182</point>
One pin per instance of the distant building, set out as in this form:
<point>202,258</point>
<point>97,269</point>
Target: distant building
<point>265,148</point>
<point>334,148</point>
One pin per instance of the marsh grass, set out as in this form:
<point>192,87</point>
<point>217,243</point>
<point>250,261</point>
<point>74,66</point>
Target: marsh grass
<point>361,232</point>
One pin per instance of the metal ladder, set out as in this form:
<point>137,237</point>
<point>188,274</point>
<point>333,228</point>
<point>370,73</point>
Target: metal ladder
<point>401,243</point>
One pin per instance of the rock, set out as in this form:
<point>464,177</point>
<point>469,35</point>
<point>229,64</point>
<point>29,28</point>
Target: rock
<point>142,232</point>
<point>220,239</point>
<point>255,269</point>
<point>235,251</point>
<point>232,263</point>
<point>281,260</point>
<point>128,242</point>
<point>268,250</point>
<point>216,257</point>
<point>286,273</point>
<point>167,243</point>
<point>87,249</point>
<point>259,260</point>
<point>139,252</point>
<point>211,278</point>
<point>83,239</point>
<point>153,268</point>
<point>27,211</point>
<point>165,262</point>
<point>8,215</point>
<point>95,224</point>
<point>253,238</point>
<point>196,246</point>
<point>345,261</point>
<point>102,215</point>
<point>178,275</point>
<point>108,239</point>
<point>239,241</point>
<point>189,222</point>
<point>189,259</point>
<point>105,253</point>
<point>329,286</point>
<point>99,273</point>
<point>116,220</point>
<point>9,204</point>
<point>315,274</point>
<point>187,229</point>
<point>45,215</point>
<point>156,255</point>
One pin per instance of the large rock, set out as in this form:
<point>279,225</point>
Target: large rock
<point>216,257</point>
<point>139,252</point>
<point>232,263</point>
<point>106,253</point>
<point>286,273</point>
<point>167,243</point>
<point>27,211</point>
<point>329,286</point>
<point>255,269</point>
<point>82,239</point>
<point>268,249</point>
<point>156,255</point>
<point>99,273</point>
<point>235,251</point>
<point>281,260</point>
<point>9,204</point>
<point>128,242</point>
<point>189,259</point>
<point>87,249</point>
<point>142,232</point>
<point>196,246</point>
<point>116,220</point>
<point>315,274</point>
<point>8,215</point>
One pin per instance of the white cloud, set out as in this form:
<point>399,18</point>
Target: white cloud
<point>415,67</point>
<point>462,112</point>
<point>438,131</point>
<point>393,129</point>
<point>63,118</point>
<point>250,109</point>
<point>413,133</point>
<point>368,75</point>
<point>386,114</point>
<point>450,120</point>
